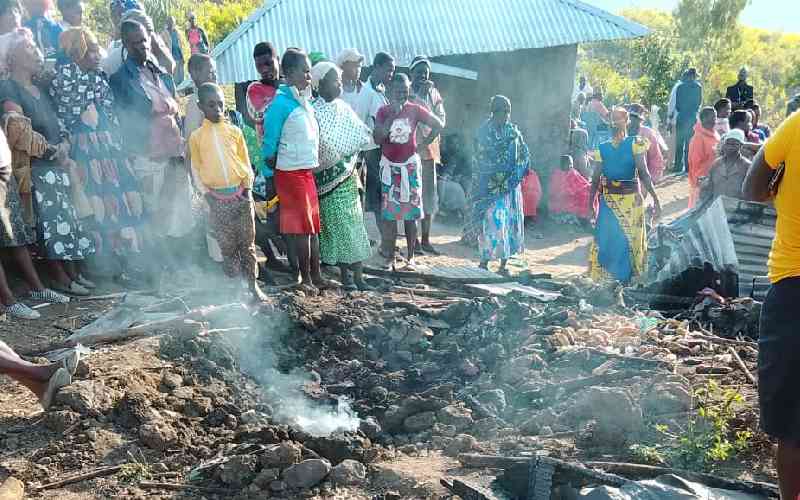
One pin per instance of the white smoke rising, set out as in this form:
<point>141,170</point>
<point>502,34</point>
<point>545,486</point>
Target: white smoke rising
<point>258,359</point>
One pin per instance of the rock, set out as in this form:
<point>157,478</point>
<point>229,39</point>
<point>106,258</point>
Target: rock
<point>370,427</point>
<point>133,410</point>
<point>459,417</point>
<point>12,489</point>
<point>378,394</point>
<point>277,486</point>
<point>87,397</point>
<point>281,455</point>
<point>517,369</point>
<point>461,444</point>
<point>59,421</point>
<point>667,398</point>
<point>487,427</point>
<point>495,397</point>
<point>307,473</point>
<point>420,421</point>
<point>349,472</point>
<point>266,477</point>
<point>531,426</point>
<point>239,471</point>
<point>395,415</point>
<point>444,430</point>
<point>170,381</point>
<point>199,407</point>
<point>618,419</point>
<point>158,435</point>
<point>410,450</point>
<point>338,447</point>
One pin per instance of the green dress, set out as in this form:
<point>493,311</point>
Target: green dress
<point>343,237</point>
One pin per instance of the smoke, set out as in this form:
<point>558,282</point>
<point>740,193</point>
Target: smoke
<point>258,358</point>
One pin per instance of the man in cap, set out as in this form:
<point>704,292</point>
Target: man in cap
<point>424,93</point>
<point>728,171</point>
<point>741,92</point>
<point>350,61</point>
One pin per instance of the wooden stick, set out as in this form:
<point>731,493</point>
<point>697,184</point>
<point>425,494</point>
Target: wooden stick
<point>109,296</point>
<point>187,487</point>
<point>741,364</point>
<point>103,471</point>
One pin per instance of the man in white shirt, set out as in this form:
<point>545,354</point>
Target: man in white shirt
<point>371,99</point>
<point>350,61</point>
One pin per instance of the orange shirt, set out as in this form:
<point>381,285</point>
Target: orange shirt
<point>702,153</point>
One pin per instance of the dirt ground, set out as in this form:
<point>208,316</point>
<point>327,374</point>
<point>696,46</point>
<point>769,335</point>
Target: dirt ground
<point>552,248</point>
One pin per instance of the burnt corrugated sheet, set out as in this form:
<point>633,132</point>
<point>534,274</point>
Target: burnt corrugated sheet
<point>729,234</point>
<point>430,27</point>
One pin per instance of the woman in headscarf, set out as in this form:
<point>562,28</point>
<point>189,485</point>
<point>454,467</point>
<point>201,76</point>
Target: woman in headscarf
<point>62,239</point>
<point>620,240</point>
<point>343,239</point>
<point>85,107</point>
<point>503,161</point>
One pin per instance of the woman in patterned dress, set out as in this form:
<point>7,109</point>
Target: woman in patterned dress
<point>620,239</point>
<point>61,236</point>
<point>85,107</point>
<point>503,161</point>
<point>343,239</point>
<point>400,166</point>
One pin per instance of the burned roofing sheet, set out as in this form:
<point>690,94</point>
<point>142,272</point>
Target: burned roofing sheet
<point>430,27</point>
<point>728,234</point>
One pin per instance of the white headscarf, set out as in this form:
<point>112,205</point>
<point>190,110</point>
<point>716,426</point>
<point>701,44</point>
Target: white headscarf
<point>321,70</point>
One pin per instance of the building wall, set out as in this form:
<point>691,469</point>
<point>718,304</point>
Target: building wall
<point>539,83</point>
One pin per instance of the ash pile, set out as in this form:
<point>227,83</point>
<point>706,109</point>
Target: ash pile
<point>307,396</point>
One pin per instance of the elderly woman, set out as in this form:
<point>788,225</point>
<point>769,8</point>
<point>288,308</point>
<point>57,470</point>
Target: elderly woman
<point>503,161</point>
<point>85,107</point>
<point>343,240</point>
<point>62,239</point>
<point>144,100</point>
<point>620,240</point>
<point>291,149</point>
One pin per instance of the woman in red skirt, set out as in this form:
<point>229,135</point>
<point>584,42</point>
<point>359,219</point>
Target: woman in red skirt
<point>291,145</point>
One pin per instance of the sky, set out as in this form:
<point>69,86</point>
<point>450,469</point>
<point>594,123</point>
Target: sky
<point>782,15</point>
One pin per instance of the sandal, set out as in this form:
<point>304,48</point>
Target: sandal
<point>59,379</point>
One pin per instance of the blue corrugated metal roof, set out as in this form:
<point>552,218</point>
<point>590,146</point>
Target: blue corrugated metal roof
<point>431,27</point>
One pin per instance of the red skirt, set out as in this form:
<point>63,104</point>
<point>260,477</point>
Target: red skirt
<point>299,205</point>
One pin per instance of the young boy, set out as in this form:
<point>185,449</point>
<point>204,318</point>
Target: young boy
<point>220,162</point>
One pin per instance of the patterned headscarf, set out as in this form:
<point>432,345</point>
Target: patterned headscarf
<point>76,41</point>
<point>320,71</point>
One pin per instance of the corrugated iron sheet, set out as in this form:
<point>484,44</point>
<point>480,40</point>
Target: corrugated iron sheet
<point>430,27</point>
<point>729,234</point>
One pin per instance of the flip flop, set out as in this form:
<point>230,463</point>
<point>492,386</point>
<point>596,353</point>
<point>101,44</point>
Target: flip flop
<point>59,379</point>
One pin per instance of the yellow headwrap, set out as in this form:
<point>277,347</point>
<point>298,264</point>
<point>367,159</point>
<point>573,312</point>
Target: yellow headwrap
<point>76,41</point>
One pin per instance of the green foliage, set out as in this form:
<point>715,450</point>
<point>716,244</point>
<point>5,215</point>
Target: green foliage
<point>646,69</point>
<point>219,19</point>
<point>708,438</point>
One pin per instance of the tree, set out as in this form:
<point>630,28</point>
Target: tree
<point>708,27</point>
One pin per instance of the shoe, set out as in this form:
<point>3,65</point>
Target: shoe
<point>74,288</point>
<point>81,280</point>
<point>59,379</point>
<point>428,248</point>
<point>21,311</point>
<point>48,295</point>
<point>70,362</point>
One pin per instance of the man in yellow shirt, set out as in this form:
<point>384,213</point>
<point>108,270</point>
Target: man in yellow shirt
<point>776,173</point>
<point>221,163</point>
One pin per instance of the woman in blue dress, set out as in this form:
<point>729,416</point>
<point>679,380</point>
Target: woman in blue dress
<point>620,240</point>
<point>503,160</point>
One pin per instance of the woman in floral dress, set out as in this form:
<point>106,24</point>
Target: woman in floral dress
<point>61,238</point>
<point>84,104</point>
<point>503,161</point>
